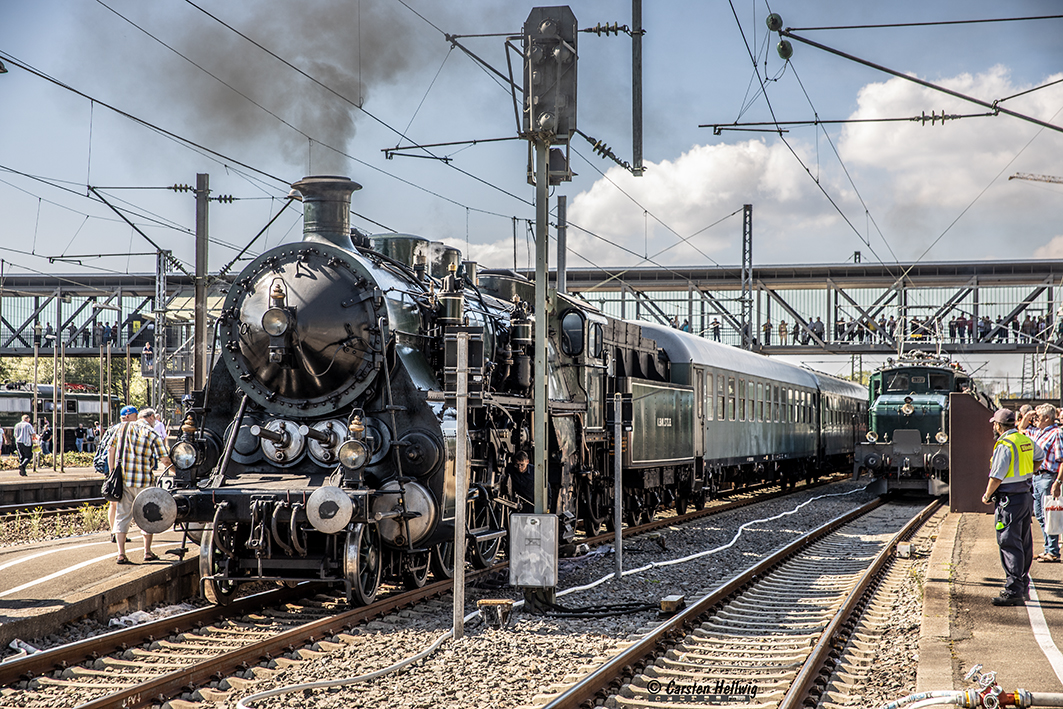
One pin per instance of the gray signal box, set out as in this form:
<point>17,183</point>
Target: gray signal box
<point>533,551</point>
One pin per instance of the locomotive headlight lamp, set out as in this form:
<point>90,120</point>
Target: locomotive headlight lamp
<point>276,322</point>
<point>353,454</point>
<point>907,409</point>
<point>183,455</point>
<point>942,437</point>
<point>871,437</point>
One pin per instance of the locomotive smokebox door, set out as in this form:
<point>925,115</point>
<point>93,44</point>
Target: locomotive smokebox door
<point>533,551</point>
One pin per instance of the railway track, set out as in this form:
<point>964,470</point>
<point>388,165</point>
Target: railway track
<point>766,637</point>
<point>156,661</point>
<point>47,509</point>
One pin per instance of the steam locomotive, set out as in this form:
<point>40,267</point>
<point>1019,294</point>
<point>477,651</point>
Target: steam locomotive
<point>907,445</point>
<point>323,445</point>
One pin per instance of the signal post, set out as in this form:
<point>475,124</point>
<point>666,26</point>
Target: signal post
<point>549,117</point>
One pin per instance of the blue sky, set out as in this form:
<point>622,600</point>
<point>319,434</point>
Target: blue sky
<point>899,188</point>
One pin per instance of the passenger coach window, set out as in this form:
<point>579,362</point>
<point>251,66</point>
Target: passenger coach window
<point>741,399</point>
<point>731,398</point>
<point>709,393</point>
<point>750,392</point>
<point>572,333</point>
<point>699,394</point>
<point>760,401</point>
<point>776,400</point>
<point>721,410</point>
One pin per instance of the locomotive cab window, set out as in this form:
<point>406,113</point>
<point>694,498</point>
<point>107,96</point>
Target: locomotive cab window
<point>939,381</point>
<point>897,382</point>
<point>597,340</point>
<point>572,333</point>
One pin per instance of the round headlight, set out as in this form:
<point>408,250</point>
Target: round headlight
<point>275,322</point>
<point>183,455</point>
<point>907,409</point>
<point>871,437</point>
<point>353,454</point>
<point>942,437</point>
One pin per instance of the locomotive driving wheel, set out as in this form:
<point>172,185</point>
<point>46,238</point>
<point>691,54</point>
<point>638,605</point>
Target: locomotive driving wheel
<point>415,569</point>
<point>681,501</point>
<point>441,560</point>
<point>591,508</point>
<point>484,553</point>
<point>213,561</point>
<point>362,563</point>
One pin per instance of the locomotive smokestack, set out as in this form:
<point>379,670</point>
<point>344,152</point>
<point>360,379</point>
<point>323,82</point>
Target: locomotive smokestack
<point>327,209</point>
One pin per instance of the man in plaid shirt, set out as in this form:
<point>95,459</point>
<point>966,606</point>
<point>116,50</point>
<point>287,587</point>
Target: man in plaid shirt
<point>140,448</point>
<point>1050,438</point>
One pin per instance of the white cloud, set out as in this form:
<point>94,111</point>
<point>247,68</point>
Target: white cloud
<point>1052,250</point>
<point>916,180</point>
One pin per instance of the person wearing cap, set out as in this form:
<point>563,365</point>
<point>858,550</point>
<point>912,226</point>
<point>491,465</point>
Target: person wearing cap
<point>138,448</point>
<point>100,461</point>
<point>1015,458</point>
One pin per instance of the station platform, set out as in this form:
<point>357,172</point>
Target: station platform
<point>47,485</point>
<point>48,584</point>
<point>961,627</point>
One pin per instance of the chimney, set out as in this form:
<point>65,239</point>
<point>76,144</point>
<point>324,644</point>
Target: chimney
<point>327,209</point>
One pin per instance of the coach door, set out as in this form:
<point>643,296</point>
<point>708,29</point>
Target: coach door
<point>702,398</point>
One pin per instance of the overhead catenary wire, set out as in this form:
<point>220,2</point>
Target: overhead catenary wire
<point>937,23</point>
<point>801,162</point>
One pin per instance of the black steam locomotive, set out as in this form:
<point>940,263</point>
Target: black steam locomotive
<point>323,446</point>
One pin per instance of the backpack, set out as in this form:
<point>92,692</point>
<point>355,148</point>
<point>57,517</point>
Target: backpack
<point>99,458</point>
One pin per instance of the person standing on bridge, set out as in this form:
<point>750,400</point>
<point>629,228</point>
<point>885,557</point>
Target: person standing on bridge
<point>24,435</point>
<point>1015,458</point>
<point>137,448</point>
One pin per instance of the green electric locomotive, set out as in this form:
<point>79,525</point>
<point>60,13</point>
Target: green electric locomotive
<point>908,433</point>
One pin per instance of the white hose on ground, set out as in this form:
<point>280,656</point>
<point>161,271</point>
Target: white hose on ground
<point>243,703</point>
<point>952,698</point>
<point>919,696</point>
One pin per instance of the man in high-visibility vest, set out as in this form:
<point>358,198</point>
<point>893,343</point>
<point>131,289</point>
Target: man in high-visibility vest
<point>1015,458</point>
